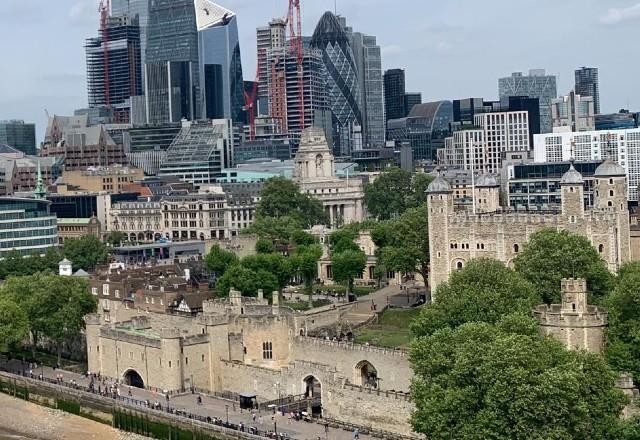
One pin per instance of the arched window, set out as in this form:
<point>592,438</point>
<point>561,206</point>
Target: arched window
<point>516,248</point>
<point>571,189</point>
<point>610,181</point>
<point>610,193</point>
<point>601,248</point>
<point>459,265</point>
<point>609,203</point>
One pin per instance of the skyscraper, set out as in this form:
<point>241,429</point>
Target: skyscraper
<point>573,113</point>
<point>369,62</point>
<point>587,85</point>
<point>172,79</point>
<point>136,9</point>
<point>535,85</point>
<point>268,37</point>
<point>220,67</point>
<point>343,89</point>
<point>124,77</point>
<point>19,135</point>
<point>394,90</point>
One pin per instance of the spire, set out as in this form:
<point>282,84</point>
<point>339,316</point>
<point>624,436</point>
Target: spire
<point>40,191</point>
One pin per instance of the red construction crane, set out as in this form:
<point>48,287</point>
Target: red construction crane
<point>249,105</point>
<point>104,10</point>
<point>295,39</point>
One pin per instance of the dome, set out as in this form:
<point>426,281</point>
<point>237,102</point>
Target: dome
<point>439,185</point>
<point>571,177</point>
<point>610,169</point>
<point>486,181</point>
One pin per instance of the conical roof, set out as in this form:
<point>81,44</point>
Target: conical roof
<point>572,177</point>
<point>610,169</point>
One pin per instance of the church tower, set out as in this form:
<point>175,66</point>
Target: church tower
<point>440,207</point>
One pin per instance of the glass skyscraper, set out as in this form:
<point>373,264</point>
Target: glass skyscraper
<point>535,85</point>
<point>220,67</point>
<point>587,85</point>
<point>172,79</point>
<point>135,9</point>
<point>342,81</point>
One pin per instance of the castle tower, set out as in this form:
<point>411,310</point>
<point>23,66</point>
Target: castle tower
<point>574,323</point>
<point>440,203</point>
<point>172,365</point>
<point>486,194</point>
<point>572,195</point>
<point>611,196</point>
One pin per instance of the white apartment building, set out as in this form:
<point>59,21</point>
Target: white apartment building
<point>466,150</point>
<point>621,146</point>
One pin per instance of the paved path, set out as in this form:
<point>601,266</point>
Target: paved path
<point>211,407</point>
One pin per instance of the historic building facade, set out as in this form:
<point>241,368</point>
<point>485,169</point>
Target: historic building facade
<point>495,232</point>
<point>315,174</point>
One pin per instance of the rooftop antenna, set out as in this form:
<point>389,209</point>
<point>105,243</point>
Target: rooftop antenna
<point>335,7</point>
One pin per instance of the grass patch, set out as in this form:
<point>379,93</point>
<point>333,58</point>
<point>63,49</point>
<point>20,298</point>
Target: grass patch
<point>340,290</point>
<point>391,330</point>
<point>303,306</point>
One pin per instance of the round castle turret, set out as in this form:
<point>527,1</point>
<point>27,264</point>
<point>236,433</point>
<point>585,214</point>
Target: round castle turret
<point>574,323</point>
<point>440,199</point>
<point>610,187</point>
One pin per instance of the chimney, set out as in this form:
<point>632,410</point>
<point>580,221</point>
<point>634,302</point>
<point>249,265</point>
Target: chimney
<point>275,305</point>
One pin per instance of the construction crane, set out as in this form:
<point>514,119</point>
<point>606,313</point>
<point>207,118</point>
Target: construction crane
<point>249,105</point>
<point>295,40</point>
<point>104,10</point>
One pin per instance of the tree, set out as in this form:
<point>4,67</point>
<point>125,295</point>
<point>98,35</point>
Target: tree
<point>13,323</point>
<point>281,197</point>
<point>86,252</point>
<point>403,244</point>
<point>275,264</point>
<point>347,265</point>
<point>304,262</point>
<point>343,240</point>
<point>483,291</point>
<point>623,335</point>
<point>395,191</point>
<point>479,381</point>
<point>115,238</point>
<point>264,246</point>
<point>246,281</point>
<point>218,260</point>
<point>551,255</point>
<point>278,231</point>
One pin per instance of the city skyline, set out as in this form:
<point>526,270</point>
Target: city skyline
<point>435,45</point>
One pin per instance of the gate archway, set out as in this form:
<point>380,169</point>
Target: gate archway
<point>132,378</point>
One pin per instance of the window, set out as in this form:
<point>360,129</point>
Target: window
<point>169,364</point>
<point>186,361</point>
<point>459,265</point>
<point>610,193</point>
<point>267,350</point>
<point>601,248</point>
<point>609,203</point>
<point>105,289</point>
<point>202,358</point>
<point>117,293</point>
<point>94,290</point>
<point>516,248</point>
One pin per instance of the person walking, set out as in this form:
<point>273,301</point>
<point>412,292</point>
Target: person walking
<point>356,434</point>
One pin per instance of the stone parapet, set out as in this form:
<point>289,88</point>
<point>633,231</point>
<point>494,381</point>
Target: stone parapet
<point>123,336</point>
<point>350,346</point>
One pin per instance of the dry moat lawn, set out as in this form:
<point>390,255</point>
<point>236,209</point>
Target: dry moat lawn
<point>391,330</point>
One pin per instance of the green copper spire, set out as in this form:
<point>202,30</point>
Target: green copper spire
<point>41,190</point>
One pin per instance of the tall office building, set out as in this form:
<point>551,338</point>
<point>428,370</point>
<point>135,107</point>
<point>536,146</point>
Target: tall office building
<point>573,112</point>
<point>410,101</point>
<point>345,102</point>
<point>124,76</point>
<point>139,10</point>
<point>587,85</point>
<point>269,37</point>
<point>220,66</point>
<point>394,91</point>
<point>503,132</point>
<point>19,135</point>
<point>369,62</point>
<point>535,85</point>
<point>171,72</point>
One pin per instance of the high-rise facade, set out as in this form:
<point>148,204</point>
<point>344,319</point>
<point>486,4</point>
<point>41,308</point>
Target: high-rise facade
<point>19,135</point>
<point>171,70</point>
<point>220,66</point>
<point>139,10</point>
<point>123,79</point>
<point>535,85</point>
<point>587,84</point>
<point>345,101</point>
<point>573,112</point>
<point>394,91</point>
<point>273,36</point>
<point>410,100</point>
<point>369,62</point>
<point>504,132</point>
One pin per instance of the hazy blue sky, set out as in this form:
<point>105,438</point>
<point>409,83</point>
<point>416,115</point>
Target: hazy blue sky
<point>450,49</point>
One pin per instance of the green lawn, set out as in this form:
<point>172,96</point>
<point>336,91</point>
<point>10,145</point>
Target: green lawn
<point>303,305</point>
<point>391,330</point>
<point>340,289</point>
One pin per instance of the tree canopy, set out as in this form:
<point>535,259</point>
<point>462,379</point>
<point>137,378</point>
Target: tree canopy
<point>482,381</point>
<point>86,252</point>
<point>219,260</point>
<point>281,197</point>
<point>485,290</point>
<point>403,243</point>
<point>304,262</point>
<point>275,264</point>
<point>395,191</point>
<point>14,264</point>
<point>551,255</point>
<point>14,325</point>
<point>247,281</point>
<point>347,265</point>
<point>623,335</point>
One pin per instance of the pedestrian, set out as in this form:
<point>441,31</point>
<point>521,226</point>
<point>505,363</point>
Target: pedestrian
<point>356,434</point>
<point>253,416</point>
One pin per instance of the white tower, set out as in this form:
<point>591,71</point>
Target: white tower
<point>65,268</point>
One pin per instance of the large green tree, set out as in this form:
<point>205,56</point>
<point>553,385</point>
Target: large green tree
<point>247,281</point>
<point>395,191</point>
<point>623,334</point>
<point>483,291</point>
<point>403,243</point>
<point>348,265</point>
<point>15,264</point>
<point>219,260</point>
<point>275,264</point>
<point>304,262</point>
<point>14,325</point>
<point>281,197</point>
<point>86,252</point>
<point>551,255</point>
<point>480,381</point>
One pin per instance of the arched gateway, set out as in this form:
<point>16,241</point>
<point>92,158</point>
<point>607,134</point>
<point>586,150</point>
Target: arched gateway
<point>132,378</point>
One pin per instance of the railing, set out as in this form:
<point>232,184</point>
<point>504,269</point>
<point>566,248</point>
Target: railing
<point>379,433</point>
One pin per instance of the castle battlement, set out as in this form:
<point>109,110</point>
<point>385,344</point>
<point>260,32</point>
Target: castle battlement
<point>350,346</point>
<point>395,395</point>
<point>121,335</point>
<point>195,339</point>
<point>554,316</point>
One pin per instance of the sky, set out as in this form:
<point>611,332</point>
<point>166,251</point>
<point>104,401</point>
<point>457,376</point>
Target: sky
<point>450,49</point>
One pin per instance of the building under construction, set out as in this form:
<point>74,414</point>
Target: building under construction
<point>114,72</point>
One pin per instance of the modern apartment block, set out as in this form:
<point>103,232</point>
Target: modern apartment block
<point>19,135</point>
<point>620,146</point>
<point>537,84</point>
<point>273,36</point>
<point>504,132</point>
<point>573,112</point>
<point>587,84</point>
